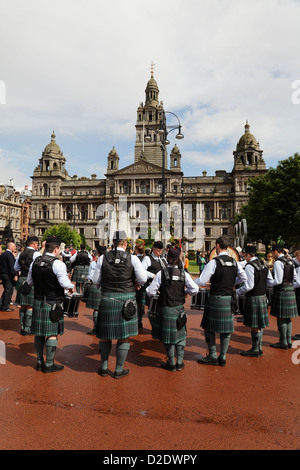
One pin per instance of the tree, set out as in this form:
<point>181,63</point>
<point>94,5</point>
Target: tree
<point>273,209</point>
<point>64,231</point>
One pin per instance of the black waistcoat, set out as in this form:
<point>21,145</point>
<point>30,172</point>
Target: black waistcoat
<point>260,278</point>
<point>82,259</point>
<point>155,265</point>
<point>117,272</point>
<point>172,287</point>
<point>223,279</point>
<point>46,285</point>
<point>288,273</point>
<point>25,260</point>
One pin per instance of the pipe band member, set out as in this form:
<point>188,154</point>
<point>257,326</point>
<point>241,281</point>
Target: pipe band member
<point>174,283</point>
<point>256,308</point>
<point>117,272</point>
<point>284,305</point>
<point>223,272</point>
<point>48,275</point>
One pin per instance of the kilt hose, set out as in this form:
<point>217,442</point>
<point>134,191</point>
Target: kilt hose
<point>110,322</point>
<point>284,303</point>
<point>164,326</point>
<point>256,312</point>
<point>41,323</point>
<point>217,315</point>
<point>93,297</point>
<point>26,300</point>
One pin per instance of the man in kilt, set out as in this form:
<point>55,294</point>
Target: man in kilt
<point>223,272</point>
<point>93,294</point>
<point>22,264</point>
<point>80,262</point>
<point>153,263</point>
<point>173,283</point>
<point>284,305</point>
<point>296,261</point>
<point>256,309</point>
<point>117,272</point>
<point>49,276</point>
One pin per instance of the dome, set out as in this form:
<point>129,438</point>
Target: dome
<point>52,147</point>
<point>247,139</point>
<point>152,83</point>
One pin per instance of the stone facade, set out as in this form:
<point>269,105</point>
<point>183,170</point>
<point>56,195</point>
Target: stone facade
<point>208,203</point>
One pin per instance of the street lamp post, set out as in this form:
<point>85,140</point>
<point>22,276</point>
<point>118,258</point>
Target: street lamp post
<point>164,131</point>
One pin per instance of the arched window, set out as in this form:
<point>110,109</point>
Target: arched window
<point>83,213</point>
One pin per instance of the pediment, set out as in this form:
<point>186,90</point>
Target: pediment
<point>141,167</point>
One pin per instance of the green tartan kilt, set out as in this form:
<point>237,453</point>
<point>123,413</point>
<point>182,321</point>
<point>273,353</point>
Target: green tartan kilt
<point>164,325</point>
<point>93,297</point>
<point>284,303</point>
<point>217,315</point>
<point>25,299</point>
<point>41,323</point>
<point>141,296</point>
<point>110,322</point>
<point>256,311</point>
<point>79,274</point>
<point>297,291</point>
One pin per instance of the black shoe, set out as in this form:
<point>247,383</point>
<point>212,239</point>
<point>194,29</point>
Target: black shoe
<point>119,375</point>
<point>102,372</point>
<point>296,337</point>
<point>240,319</point>
<point>168,366</point>
<point>279,346</point>
<point>7,310</point>
<point>39,366</point>
<point>25,333</point>
<point>250,353</point>
<point>53,368</point>
<point>221,362</point>
<point>212,361</point>
<point>180,366</point>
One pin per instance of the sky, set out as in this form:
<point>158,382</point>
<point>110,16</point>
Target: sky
<point>80,68</point>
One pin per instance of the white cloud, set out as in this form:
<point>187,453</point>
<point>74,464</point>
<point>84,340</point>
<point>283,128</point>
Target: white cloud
<point>81,67</point>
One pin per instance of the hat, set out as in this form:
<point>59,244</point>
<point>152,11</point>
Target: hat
<point>56,240</point>
<point>119,235</point>
<point>174,253</point>
<point>32,239</point>
<point>277,247</point>
<point>250,249</point>
<point>158,245</point>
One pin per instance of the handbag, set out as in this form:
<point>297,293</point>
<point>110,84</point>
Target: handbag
<point>129,309</point>
<point>57,311</point>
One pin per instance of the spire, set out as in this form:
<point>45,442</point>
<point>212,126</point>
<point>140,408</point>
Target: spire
<point>247,127</point>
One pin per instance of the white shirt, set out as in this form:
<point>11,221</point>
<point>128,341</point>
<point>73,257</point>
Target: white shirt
<point>17,266</point>
<point>72,259</point>
<point>140,273</point>
<point>60,270</point>
<point>249,284</point>
<point>191,286</point>
<point>278,270</point>
<point>146,262</point>
<point>210,269</point>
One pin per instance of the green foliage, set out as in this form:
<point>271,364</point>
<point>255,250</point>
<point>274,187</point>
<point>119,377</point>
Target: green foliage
<point>273,210</point>
<point>64,231</point>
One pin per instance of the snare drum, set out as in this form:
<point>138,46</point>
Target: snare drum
<point>199,300</point>
<point>71,304</point>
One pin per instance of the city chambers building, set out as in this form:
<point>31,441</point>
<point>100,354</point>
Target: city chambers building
<point>196,209</point>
